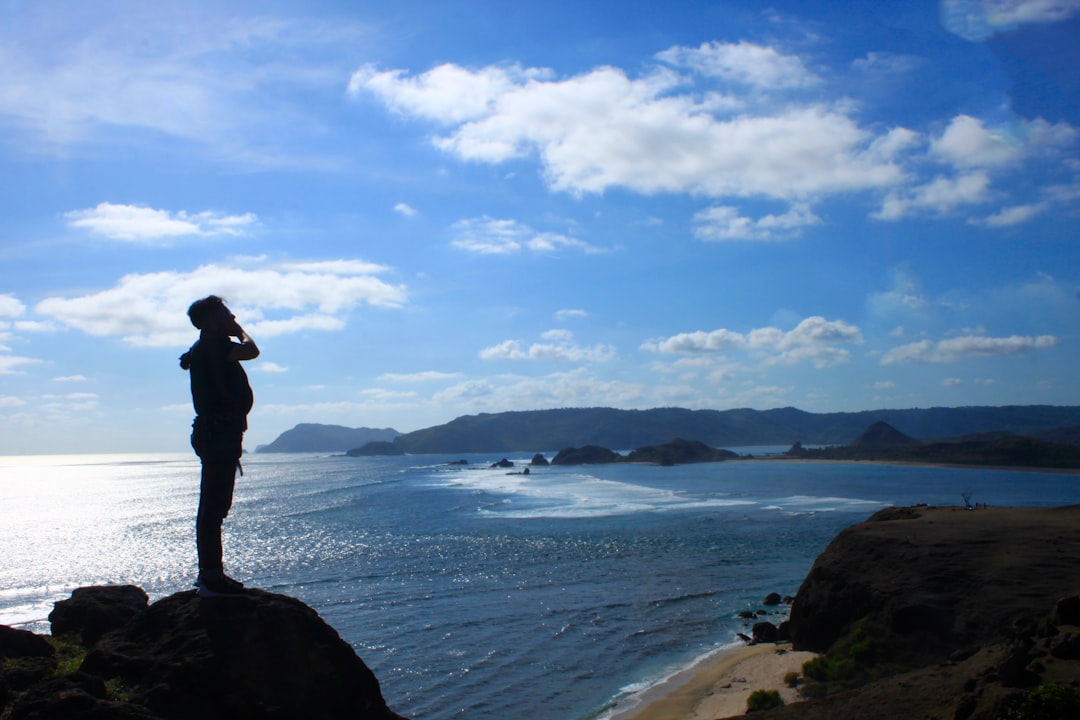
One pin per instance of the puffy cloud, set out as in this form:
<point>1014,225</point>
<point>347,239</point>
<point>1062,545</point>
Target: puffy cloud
<point>490,236</point>
<point>743,62</point>
<point>11,306</point>
<point>722,222</point>
<point>967,143</point>
<point>815,340</point>
<point>448,93</point>
<point>405,209</point>
<point>955,349</point>
<point>560,346</point>
<point>603,129</point>
<point>143,224</point>
<point>151,309</point>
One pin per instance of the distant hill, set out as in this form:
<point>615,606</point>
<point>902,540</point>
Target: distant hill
<point>312,437</point>
<point>533,430</point>
<point>882,434</point>
<point>997,448</point>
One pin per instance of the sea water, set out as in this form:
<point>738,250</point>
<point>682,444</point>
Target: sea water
<point>472,591</point>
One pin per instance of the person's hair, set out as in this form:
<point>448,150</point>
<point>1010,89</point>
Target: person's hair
<point>201,308</point>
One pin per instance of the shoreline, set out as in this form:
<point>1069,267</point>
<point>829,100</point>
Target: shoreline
<point>718,684</point>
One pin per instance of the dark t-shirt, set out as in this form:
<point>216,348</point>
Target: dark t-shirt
<point>219,386</point>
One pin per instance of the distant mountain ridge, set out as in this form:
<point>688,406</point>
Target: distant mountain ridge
<point>313,437</point>
<point>533,430</point>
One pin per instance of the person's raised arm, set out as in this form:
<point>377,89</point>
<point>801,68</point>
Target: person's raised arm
<point>246,350</point>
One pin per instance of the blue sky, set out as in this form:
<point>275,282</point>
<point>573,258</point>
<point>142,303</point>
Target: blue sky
<point>426,210</point>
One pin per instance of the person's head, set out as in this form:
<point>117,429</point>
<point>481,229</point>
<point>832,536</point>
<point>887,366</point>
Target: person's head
<point>209,312</point>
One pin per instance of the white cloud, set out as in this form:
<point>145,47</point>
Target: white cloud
<point>151,309</point>
<point>576,388</point>
<point>955,349</point>
<point>743,62</point>
<point>489,236</point>
<point>10,401</point>
<point>270,367</point>
<point>405,209</point>
<point>9,364</point>
<point>569,313</point>
<point>423,376</point>
<point>940,195</point>
<point>978,20</point>
<point>723,222</point>
<point>967,143</point>
<point>448,93</point>
<point>1013,215</point>
<point>560,347</point>
<point>884,385</point>
<point>142,224</point>
<point>10,306</point>
<point>602,129</point>
<point>70,378</point>
<point>815,340</point>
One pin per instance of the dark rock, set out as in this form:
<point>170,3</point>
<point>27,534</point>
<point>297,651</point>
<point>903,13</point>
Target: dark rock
<point>458,462</point>
<point>764,632</point>
<point>94,611</point>
<point>261,655</point>
<point>504,463</point>
<point>745,638</point>
<point>1067,611</point>
<point>679,452</point>
<point>748,615</point>
<point>15,643</point>
<point>796,450</point>
<point>77,696</point>
<point>1065,646</point>
<point>587,455</point>
<point>1013,669</point>
<point>783,632</point>
<point>539,460</point>
<point>772,599</point>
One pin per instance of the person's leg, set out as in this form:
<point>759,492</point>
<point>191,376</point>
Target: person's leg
<point>215,500</point>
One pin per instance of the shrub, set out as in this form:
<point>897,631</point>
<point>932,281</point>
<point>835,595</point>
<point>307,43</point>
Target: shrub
<point>763,700</point>
<point>1049,701</point>
<point>791,679</point>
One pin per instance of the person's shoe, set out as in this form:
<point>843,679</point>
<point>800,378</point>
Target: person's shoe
<point>219,586</point>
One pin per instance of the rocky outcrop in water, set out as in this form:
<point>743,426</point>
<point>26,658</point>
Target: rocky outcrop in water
<point>261,655</point>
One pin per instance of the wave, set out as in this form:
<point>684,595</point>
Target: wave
<point>573,495</point>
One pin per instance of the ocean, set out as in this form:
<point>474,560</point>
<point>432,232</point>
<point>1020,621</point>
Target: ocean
<point>473,592</point>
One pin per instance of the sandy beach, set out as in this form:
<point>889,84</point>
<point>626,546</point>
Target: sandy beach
<point>719,687</point>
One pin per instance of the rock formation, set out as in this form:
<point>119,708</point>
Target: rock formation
<point>261,655</point>
<point>942,612</point>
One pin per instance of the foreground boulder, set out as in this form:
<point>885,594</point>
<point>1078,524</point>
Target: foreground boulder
<point>93,611</point>
<point>262,655</point>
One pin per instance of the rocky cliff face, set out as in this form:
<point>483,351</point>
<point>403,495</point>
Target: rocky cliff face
<point>943,612</point>
<point>258,656</point>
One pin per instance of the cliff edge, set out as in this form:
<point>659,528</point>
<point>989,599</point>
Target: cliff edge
<point>112,655</point>
<point>943,612</point>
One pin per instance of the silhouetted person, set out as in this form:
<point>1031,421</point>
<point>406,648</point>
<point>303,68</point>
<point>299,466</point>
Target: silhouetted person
<point>222,398</point>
